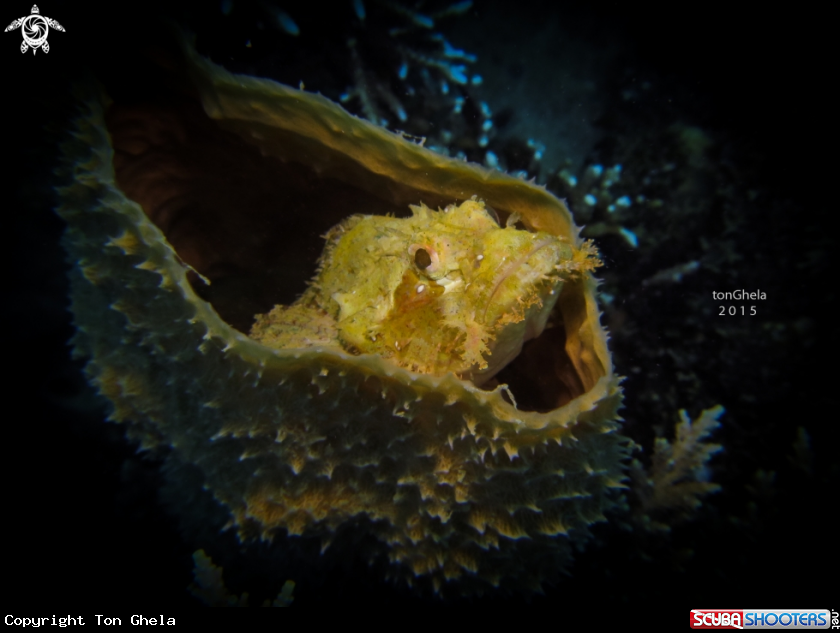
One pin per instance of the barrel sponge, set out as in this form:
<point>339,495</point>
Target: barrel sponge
<point>180,212</point>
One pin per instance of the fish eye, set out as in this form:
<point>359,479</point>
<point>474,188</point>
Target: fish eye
<point>422,259</point>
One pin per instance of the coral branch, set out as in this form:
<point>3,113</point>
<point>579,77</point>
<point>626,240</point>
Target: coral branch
<point>678,475</point>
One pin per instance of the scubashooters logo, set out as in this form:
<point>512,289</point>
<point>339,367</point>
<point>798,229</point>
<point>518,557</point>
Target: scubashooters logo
<point>786,619</point>
<point>35,28</point>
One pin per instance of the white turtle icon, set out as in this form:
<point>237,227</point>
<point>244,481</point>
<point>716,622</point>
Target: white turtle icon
<point>35,29</point>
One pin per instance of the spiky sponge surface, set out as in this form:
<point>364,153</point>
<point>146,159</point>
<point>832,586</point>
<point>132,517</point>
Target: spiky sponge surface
<point>457,483</point>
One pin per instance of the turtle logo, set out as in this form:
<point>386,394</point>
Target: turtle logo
<point>35,28</point>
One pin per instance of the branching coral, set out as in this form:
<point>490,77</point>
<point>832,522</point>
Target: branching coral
<point>385,61</point>
<point>592,199</point>
<point>406,76</point>
<point>678,474</point>
<point>416,60</point>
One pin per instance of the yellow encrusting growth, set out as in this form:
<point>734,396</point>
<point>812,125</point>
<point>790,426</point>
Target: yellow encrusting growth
<point>441,291</point>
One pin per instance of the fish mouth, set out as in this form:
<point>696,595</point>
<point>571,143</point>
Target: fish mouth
<point>512,268</point>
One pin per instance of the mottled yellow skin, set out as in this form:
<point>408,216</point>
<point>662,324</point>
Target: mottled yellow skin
<point>441,291</point>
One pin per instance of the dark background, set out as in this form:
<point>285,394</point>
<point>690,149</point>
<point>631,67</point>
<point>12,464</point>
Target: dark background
<point>83,518</point>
